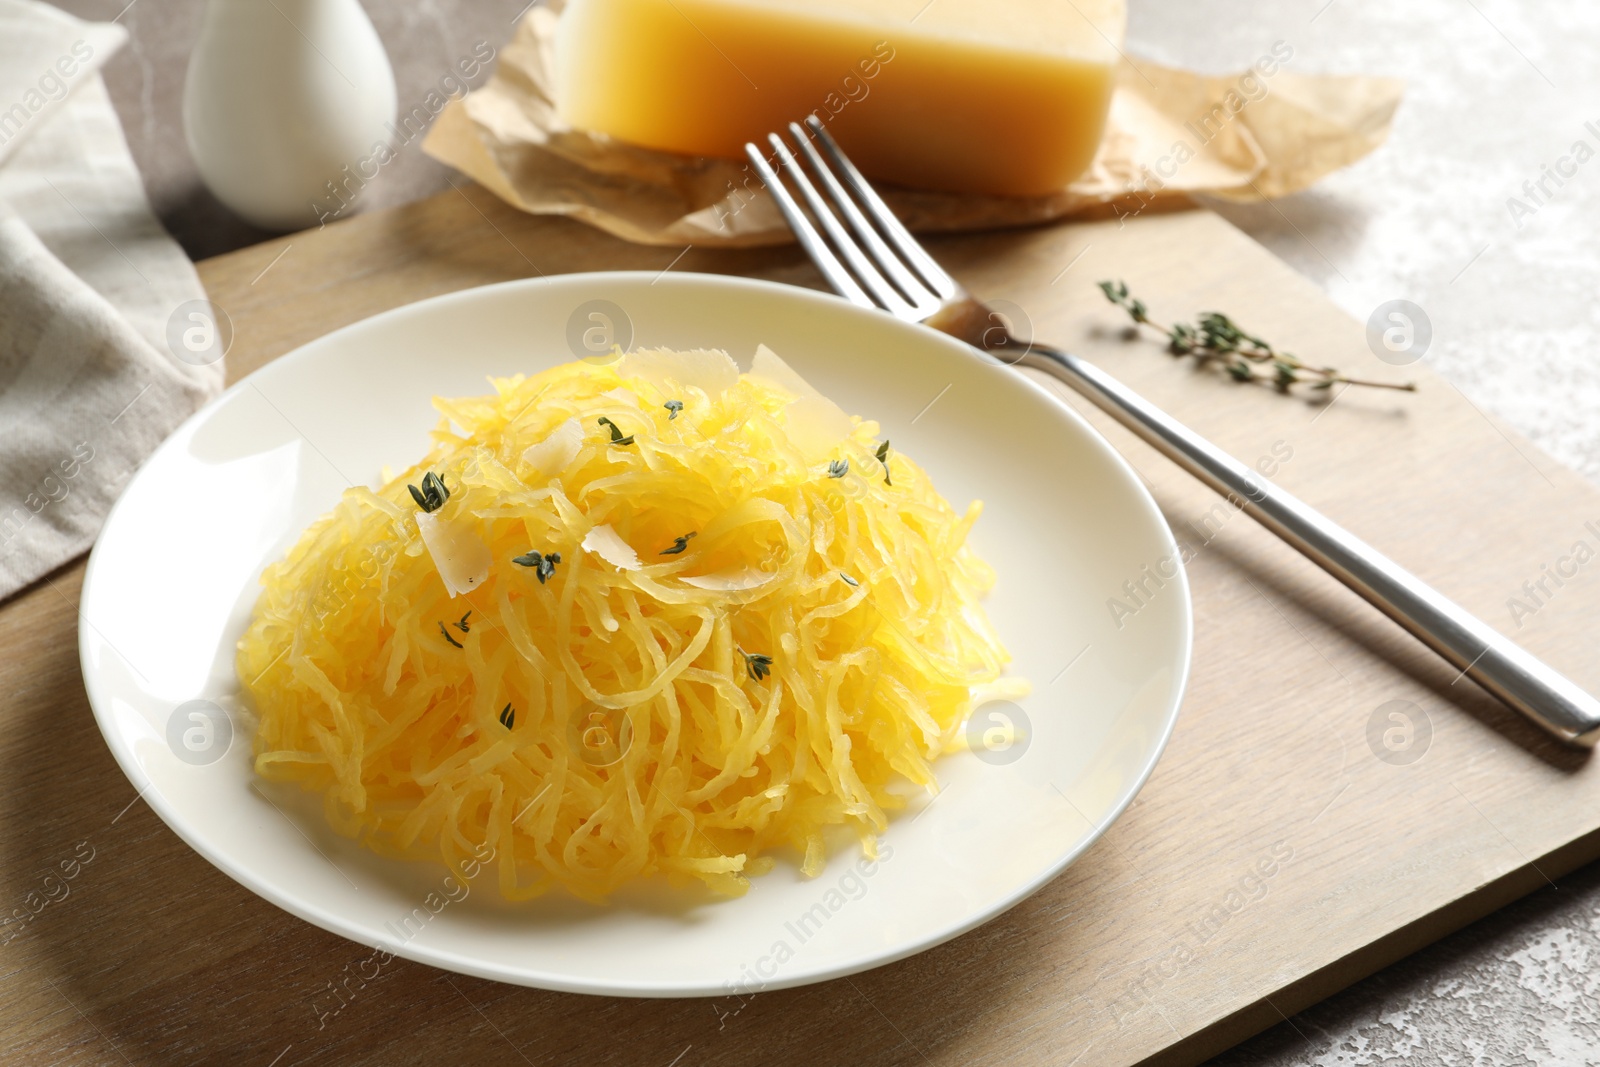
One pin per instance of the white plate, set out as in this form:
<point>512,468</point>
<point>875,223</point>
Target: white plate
<point>172,580</point>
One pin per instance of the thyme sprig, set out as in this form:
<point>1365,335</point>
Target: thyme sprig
<point>838,468</point>
<point>447,637</point>
<point>756,665</point>
<point>463,625</point>
<point>1217,339</point>
<point>883,457</point>
<point>432,495</point>
<point>543,564</point>
<point>616,435</point>
<point>678,544</point>
<point>673,408</point>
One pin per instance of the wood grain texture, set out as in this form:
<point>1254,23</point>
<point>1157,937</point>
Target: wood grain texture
<point>1272,858</point>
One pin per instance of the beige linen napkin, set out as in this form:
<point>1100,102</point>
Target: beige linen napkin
<point>91,290</point>
<point>1263,132</point>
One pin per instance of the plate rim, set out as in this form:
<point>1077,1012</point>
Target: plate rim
<point>445,958</point>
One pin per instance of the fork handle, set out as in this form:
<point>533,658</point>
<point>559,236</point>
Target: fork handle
<point>1467,642</point>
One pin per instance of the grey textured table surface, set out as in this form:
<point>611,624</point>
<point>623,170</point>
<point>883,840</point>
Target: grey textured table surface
<point>1497,93</point>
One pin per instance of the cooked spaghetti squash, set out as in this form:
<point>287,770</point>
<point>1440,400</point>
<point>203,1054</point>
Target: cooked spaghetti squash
<point>650,617</point>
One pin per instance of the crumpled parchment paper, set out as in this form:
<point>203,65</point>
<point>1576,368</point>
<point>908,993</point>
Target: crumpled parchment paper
<point>1259,134</point>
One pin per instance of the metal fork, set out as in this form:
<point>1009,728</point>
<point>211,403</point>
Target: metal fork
<point>873,261</point>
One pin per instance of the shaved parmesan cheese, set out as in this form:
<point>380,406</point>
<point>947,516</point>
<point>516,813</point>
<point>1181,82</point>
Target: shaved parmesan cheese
<point>708,370</point>
<point>552,455</point>
<point>457,549</point>
<point>606,543</point>
<point>815,424</point>
<point>730,581</point>
<point>769,365</point>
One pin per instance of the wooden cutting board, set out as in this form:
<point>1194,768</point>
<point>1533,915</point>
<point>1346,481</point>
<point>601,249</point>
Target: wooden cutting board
<point>1273,858</point>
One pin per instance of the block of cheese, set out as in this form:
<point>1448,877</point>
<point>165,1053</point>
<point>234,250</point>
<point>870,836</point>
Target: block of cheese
<point>1006,97</point>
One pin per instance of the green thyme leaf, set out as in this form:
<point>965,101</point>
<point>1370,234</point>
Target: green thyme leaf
<point>543,564</point>
<point>616,434</point>
<point>1116,292</point>
<point>838,468</point>
<point>447,636</point>
<point>756,665</point>
<point>508,716</point>
<point>432,495</point>
<point>883,457</point>
<point>678,544</point>
<point>673,407</point>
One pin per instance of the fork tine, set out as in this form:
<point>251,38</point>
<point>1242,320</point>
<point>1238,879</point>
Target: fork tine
<point>924,299</point>
<point>809,238</point>
<point>924,264</point>
<point>876,283</point>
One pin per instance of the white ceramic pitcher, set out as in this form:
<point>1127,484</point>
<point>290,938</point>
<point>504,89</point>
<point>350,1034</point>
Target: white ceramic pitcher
<point>286,106</point>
